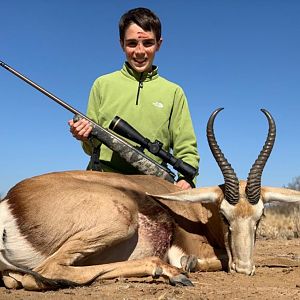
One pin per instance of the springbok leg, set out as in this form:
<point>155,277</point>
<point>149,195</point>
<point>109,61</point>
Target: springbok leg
<point>81,275</point>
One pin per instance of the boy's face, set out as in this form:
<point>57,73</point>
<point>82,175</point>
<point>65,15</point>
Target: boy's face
<point>140,47</point>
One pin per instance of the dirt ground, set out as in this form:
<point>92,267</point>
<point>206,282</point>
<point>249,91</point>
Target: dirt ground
<point>277,277</point>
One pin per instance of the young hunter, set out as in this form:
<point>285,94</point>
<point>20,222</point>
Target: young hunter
<point>154,106</point>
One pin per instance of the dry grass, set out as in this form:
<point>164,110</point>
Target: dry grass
<point>280,221</point>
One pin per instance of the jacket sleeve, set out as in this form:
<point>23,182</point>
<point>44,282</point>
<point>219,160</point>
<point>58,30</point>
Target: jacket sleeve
<point>93,109</point>
<point>183,139</point>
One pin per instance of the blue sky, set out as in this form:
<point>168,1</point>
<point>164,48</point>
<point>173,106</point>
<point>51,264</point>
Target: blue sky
<point>240,55</point>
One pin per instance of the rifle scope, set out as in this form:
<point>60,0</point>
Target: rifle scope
<point>124,129</point>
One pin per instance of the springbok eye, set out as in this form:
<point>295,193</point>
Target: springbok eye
<point>263,215</point>
<point>225,221</point>
<point>257,223</point>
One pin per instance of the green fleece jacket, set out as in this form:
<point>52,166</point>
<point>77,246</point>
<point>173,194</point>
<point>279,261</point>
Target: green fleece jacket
<point>154,106</point>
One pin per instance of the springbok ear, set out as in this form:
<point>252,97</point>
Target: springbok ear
<point>203,195</point>
<point>273,194</point>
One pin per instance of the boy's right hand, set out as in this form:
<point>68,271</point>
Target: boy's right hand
<point>80,129</point>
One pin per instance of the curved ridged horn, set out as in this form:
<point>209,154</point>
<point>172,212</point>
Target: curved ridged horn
<point>230,178</point>
<point>253,186</point>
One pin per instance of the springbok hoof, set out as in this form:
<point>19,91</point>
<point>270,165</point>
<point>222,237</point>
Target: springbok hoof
<point>157,273</point>
<point>189,263</point>
<point>180,280</point>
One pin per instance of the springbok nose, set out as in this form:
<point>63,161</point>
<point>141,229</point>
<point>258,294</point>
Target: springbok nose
<point>243,268</point>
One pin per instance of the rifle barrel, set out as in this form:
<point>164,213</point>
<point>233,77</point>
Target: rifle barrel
<point>42,90</point>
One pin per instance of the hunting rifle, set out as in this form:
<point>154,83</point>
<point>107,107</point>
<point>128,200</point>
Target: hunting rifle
<point>129,153</point>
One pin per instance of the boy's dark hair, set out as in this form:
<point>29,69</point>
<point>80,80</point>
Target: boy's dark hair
<point>142,17</point>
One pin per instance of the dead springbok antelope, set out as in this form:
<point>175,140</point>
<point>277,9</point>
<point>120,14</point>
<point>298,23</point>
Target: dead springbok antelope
<point>69,228</point>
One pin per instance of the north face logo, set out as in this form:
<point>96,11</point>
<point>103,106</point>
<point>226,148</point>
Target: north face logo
<point>158,104</point>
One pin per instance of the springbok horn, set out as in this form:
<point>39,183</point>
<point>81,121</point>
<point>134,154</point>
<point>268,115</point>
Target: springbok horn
<point>253,187</point>
<point>230,178</point>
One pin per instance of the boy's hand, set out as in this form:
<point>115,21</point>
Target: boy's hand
<point>80,129</point>
<point>183,184</point>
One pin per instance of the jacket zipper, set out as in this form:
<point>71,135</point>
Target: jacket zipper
<point>139,88</point>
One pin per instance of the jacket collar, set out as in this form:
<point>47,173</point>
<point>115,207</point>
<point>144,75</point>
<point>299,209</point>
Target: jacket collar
<point>132,74</point>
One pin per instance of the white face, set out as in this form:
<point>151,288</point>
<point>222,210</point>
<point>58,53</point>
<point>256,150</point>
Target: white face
<point>241,222</point>
<point>140,47</point>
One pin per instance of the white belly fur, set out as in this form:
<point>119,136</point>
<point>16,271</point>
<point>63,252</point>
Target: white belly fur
<point>15,248</point>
